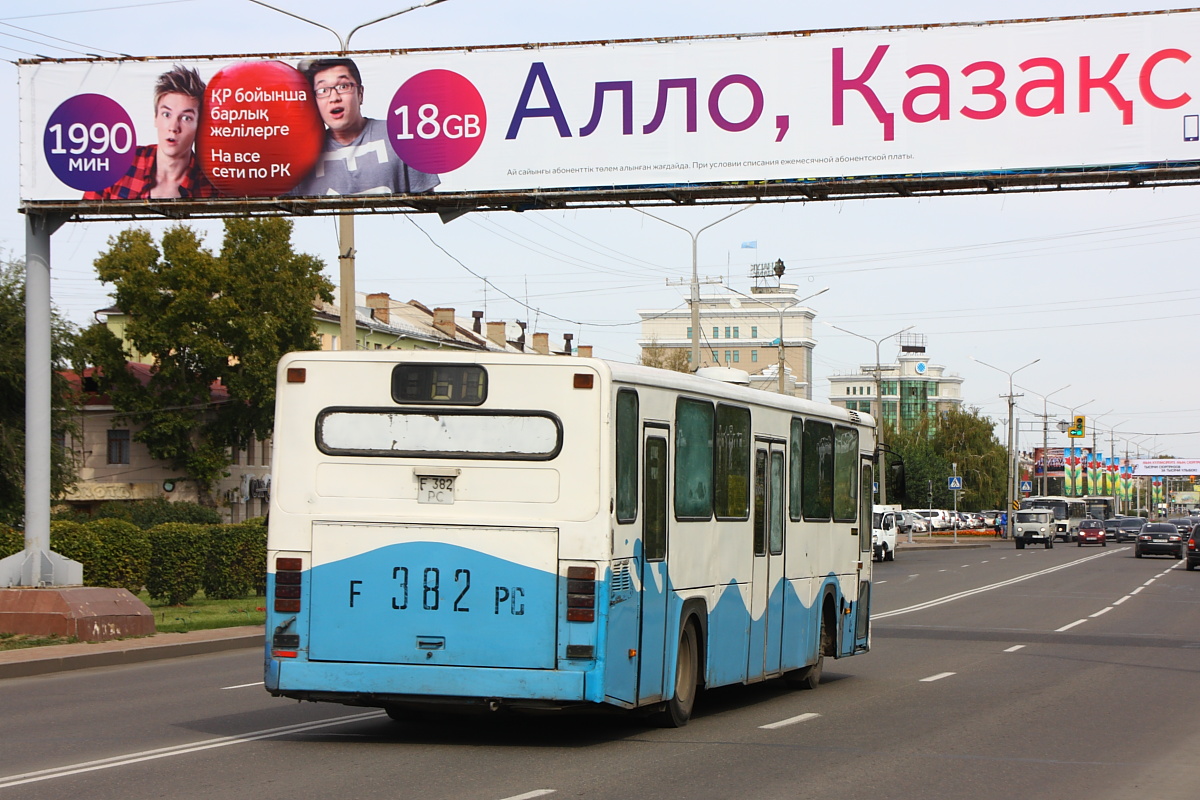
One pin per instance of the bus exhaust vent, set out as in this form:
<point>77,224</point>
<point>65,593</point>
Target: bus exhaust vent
<point>725,375</point>
<point>621,579</point>
<point>854,417</point>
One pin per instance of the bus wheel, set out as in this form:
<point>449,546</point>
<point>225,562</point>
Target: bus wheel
<point>1020,544</point>
<point>810,677</point>
<point>678,710</point>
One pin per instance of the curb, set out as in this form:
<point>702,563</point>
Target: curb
<point>65,657</point>
<point>948,546</point>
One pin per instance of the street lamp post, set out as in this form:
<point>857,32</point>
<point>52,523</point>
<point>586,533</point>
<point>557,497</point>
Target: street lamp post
<point>879,426</point>
<point>782,309</point>
<point>1011,472</point>
<point>1045,431</point>
<point>346,252</point>
<point>695,278</point>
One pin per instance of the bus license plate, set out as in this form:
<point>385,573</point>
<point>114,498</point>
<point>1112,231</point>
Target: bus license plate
<point>431,489</point>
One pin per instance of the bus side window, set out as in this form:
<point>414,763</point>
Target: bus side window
<point>796,451</point>
<point>845,474</point>
<point>816,487</point>
<point>693,459</point>
<point>627,456</point>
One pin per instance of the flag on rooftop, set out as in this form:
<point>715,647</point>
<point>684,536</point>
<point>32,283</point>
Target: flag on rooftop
<point>750,245</point>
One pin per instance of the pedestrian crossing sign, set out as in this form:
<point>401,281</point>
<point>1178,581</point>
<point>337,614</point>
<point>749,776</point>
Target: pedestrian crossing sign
<point>955,482</point>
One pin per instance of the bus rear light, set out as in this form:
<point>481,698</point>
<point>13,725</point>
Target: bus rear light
<point>296,374</point>
<point>584,380</point>
<point>581,594</point>
<point>288,584</point>
<point>284,654</point>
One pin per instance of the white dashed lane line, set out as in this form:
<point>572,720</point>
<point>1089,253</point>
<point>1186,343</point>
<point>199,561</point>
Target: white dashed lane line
<point>243,685</point>
<point>1101,611</point>
<point>1068,627</point>
<point>937,677</point>
<point>531,795</point>
<point>1015,648</point>
<point>1122,600</point>
<point>783,723</point>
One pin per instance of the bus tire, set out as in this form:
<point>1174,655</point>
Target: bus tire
<point>810,677</point>
<point>678,710</point>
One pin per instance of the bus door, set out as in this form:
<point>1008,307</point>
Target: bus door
<point>862,615</point>
<point>768,584</point>
<point>656,587</point>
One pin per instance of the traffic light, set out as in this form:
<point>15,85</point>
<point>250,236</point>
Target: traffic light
<point>1078,424</point>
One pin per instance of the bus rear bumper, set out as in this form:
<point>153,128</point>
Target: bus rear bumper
<point>379,684</point>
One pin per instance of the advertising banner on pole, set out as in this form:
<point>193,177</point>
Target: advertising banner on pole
<point>1103,93</point>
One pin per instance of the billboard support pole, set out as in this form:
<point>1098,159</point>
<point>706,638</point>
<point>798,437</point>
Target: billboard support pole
<point>37,565</point>
<point>346,277</point>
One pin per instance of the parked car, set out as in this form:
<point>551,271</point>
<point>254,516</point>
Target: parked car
<point>1159,539</point>
<point>1091,531</point>
<point>916,523</point>
<point>938,519</point>
<point>1193,551</point>
<point>1129,529</point>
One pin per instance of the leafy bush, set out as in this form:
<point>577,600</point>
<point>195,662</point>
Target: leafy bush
<point>124,555</point>
<point>177,556</point>
<point>148,513</point>
<point>11,541</point>
<point>74,541</point>
<point>236,561</point>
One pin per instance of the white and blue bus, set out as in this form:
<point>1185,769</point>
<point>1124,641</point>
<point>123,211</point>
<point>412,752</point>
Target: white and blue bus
<point>519,532</point>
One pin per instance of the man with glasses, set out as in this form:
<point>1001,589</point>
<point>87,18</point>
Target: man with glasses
<point>356,158</point>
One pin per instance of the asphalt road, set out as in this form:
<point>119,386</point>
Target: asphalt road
<point>994,673</point>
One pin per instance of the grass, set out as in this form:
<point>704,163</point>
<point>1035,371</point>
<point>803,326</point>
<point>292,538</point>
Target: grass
<point>22,641</point>
<point>200,613</point>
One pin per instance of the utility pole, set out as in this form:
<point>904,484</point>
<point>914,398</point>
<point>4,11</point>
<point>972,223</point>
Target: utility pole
<point>1011,467</point>
<point>695,284</point>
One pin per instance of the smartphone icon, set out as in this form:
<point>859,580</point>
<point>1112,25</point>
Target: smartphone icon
<point>1191,127</point>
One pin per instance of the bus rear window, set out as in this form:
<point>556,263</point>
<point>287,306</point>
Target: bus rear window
<point>441,384</point>
<point>387,432</point>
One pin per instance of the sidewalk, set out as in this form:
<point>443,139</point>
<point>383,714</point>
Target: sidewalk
<point>83,655</point>
<point>945,541</point>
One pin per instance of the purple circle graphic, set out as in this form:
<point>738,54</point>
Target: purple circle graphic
<point>89,142</point>
<point>436,121</point>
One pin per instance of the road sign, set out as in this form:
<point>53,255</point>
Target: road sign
<point>876,487</point>
<point>1016,505</point>
<point>954,483</point>
<point>1026,486</point>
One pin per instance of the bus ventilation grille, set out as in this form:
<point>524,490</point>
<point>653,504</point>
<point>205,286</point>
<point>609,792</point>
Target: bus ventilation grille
<point>621,580</point>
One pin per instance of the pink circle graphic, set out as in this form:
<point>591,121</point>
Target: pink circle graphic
<point>436,121</point>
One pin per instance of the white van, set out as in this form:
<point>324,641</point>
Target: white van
<point>885,522</point>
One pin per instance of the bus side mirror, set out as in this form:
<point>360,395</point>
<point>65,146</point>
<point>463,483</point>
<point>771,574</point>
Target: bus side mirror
<point>898,478</point>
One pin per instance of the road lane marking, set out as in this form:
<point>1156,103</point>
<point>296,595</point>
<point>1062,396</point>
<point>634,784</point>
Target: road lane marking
<point>242,685</point>
<point>964,566</point>
<point>1101,611</point>
<point>958,596</point>
<point>1068,627</point>
<point>983,562</point>
<point>531,795</point>
<point>178,750</point>
<point>1015,648</point>
<point>937,677</point>
<point>1122,600</point>
<point>1137,590</point>
<point>790,721</point>
<point>879,582</point>
<point>1147,583</point>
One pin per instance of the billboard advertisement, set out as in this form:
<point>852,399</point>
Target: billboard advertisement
<point>994,98</point>
<point>1166,467</point>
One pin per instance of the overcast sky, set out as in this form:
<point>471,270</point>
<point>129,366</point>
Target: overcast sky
<point>1100,286</point>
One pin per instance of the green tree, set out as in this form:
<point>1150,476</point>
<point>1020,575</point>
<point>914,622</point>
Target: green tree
<point>205,319</point>
<point>672,358</point>
<point>962,437</point>
<point>12,396</point>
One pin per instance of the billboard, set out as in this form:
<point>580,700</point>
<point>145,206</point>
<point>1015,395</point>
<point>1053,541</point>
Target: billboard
<point>1169,467</point>
<point>1091,94</point>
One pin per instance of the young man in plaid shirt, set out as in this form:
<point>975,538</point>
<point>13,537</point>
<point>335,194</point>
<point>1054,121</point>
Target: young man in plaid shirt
<point>169,168</point>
